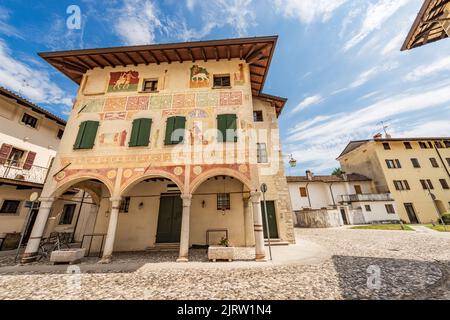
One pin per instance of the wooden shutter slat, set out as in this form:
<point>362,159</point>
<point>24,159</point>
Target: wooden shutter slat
<point>222,127</point>
<point>5,150</point>
<point>90,132</point>
<point>80,134</point>
<point>30,160</point>
<point>144,132</point>
<point>169,129</point>
<point>135,133</point>
<point>180,124</point>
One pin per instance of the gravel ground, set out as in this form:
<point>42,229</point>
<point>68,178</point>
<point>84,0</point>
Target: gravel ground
<point>406,265</point>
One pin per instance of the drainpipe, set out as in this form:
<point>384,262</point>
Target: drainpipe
<point>307,193</point>
<point>442,160</point>
<point>332,195</point>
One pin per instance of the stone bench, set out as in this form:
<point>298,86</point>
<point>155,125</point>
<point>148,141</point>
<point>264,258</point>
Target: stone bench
<point>70,256</point>
<point>220,253</point>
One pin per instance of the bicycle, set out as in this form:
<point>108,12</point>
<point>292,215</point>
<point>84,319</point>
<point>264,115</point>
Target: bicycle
<point>53,242</point>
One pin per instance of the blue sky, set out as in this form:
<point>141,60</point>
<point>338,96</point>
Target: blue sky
<point>338,61</point>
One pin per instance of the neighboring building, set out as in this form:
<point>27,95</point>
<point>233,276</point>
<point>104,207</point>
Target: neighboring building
<point>432,24</point>
<point>407,168</point>
<point>331,201</point>
<point>172,142</point>
<point>29,138</point>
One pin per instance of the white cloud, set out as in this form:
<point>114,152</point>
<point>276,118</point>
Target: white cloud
<point>190,4</point>
<point>6,28</point>
<point>393,45</point>
<point>376,15</point>
<point>137,22</point>
<point>30,82</point>
<point>307,102</point>
<point>433,128</point>
<point>423,71</point>
<point>308,11</point>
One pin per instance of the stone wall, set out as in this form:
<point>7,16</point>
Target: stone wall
<point>321,218</point>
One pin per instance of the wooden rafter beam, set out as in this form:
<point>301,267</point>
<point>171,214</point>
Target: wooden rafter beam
<point>69,66</point>
<point>204,54</point>
<point>191,54</point>
<point>228,53</point>
<point>81,62</point>
<point>134,62</point>
<point>119,59</point>
<point>163,52</point>
<point>109,62</point>
<point>93,61</point>
<point>241,51</point>
<point>216,53</point>
<point>143,58</point>
<point>257,55</point>
<point>154,57</point>
<point>178,55</point>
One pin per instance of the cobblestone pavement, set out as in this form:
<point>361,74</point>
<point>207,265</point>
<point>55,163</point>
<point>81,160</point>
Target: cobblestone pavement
<point>395,264</point>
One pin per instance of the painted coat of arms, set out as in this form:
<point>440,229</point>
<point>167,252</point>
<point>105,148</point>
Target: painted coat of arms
<point>199,77</point>
<point>123,81</point>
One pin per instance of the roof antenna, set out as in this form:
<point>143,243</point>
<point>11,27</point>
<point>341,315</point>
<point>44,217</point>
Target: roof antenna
<point>385,127</point>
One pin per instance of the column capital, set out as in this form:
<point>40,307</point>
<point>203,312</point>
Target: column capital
<point>115,201</point>
<point>255,196</point>
<point>187,199</point>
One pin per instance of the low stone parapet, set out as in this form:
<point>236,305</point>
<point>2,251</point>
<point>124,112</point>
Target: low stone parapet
<point>69,256</point>
<point>220,253</point>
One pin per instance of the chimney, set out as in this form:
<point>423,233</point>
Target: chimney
<point>378,136</point>
<point>309,175</point>
<point>344,176</point>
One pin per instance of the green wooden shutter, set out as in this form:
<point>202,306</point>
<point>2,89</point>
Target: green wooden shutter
<point>89,134</point>
<point>222,127</point>
<point>180,124</point>
<point>232,125</point>
<point>134,133</point>
<point>170,125</point>
<point>144,132</point>
<point>79,138</point>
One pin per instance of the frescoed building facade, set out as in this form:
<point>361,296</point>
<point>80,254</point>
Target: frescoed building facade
<point>172,142</point>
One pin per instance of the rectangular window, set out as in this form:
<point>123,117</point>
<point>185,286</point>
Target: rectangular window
<point>29,120</point>
<point>124,205</point>
<point>150,85</point>
<point>258,116</point>
<point>60,134</point>
<point>222,80</point>
<point>140,133</point>
<point>389,208</point>
<point>86,135</point>
<point>415,163</point>
<point>434,163</point>
<point>358,189</point>
<point>175,128</point>
<point>393,164</point>
<point>227,128</point>
<point>447,143</point>
<point>401,185</point>
<point>68,213</point>
<point>448,161</point>
<point>386,146</point>
<point>368,208</point>
<point>423,145</point>
<point>406,184</point>
<point>10,206</point>
<point>303,192</point>
<point>407,145</point>
<point>261,153</point>
<point>15,157</point>
<point>444,184</point>
<point>438,144</point>
<point>223,201</point>
<point>426,184</point>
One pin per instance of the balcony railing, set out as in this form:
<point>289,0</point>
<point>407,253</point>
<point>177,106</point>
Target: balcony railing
<point>14,170</point>
<point>367,197</point>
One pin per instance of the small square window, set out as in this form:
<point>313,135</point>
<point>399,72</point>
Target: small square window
<point>423,145</point>
<point>386,146</point>
<point>60,133</point>
<point>444,184</point>
<point>29,120</point>
<point>258,116</point>
<point>447,143</point>
<point>10,206</point>
<point>223,201</point>
<point>434,163</point>
<point>150,85</point>
<point>390,209</point>
<point>368,208</point>
<point>222,80</point>
<point>438,144</point>
<point>303,192</point>
<point>124,205</point>
<point>415,163</point>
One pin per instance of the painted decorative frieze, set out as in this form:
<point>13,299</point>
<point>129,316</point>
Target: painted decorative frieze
<point>207,99</point>
<point>161,101</point>
<point>239,77</point>
<point>115,104</point>
<point>123,81</point>
<point>233,98</point>
<point>181,100</point>
<point>137,103</point>
<point>114,139</point>
<point>113,116</point>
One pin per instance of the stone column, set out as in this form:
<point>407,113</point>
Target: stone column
<point>112,227</point>
<point>258,226</point>
<point>38,230</point>
<point>184,237</point>
<point>248,224</point>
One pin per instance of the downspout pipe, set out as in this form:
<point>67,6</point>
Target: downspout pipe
<point>307,193</point>
<point>442,160</point>
<point>332,195</point>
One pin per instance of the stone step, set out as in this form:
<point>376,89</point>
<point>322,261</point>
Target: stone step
<point>159,247</point>
<point>276,242</point>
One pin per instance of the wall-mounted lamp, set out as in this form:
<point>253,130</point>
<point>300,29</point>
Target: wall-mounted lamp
<point>203,203</point>
<point>141,205</point>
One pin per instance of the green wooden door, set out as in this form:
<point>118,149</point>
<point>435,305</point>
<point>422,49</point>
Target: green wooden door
<point>272,219</point>
<point>169,220</point>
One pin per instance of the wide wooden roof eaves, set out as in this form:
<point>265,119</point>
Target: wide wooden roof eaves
<point>257,52</point>
<point>427,28</point>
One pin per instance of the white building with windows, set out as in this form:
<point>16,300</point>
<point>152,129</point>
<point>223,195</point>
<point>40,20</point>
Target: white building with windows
<point>330,201</point>
<point>29,139</point>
